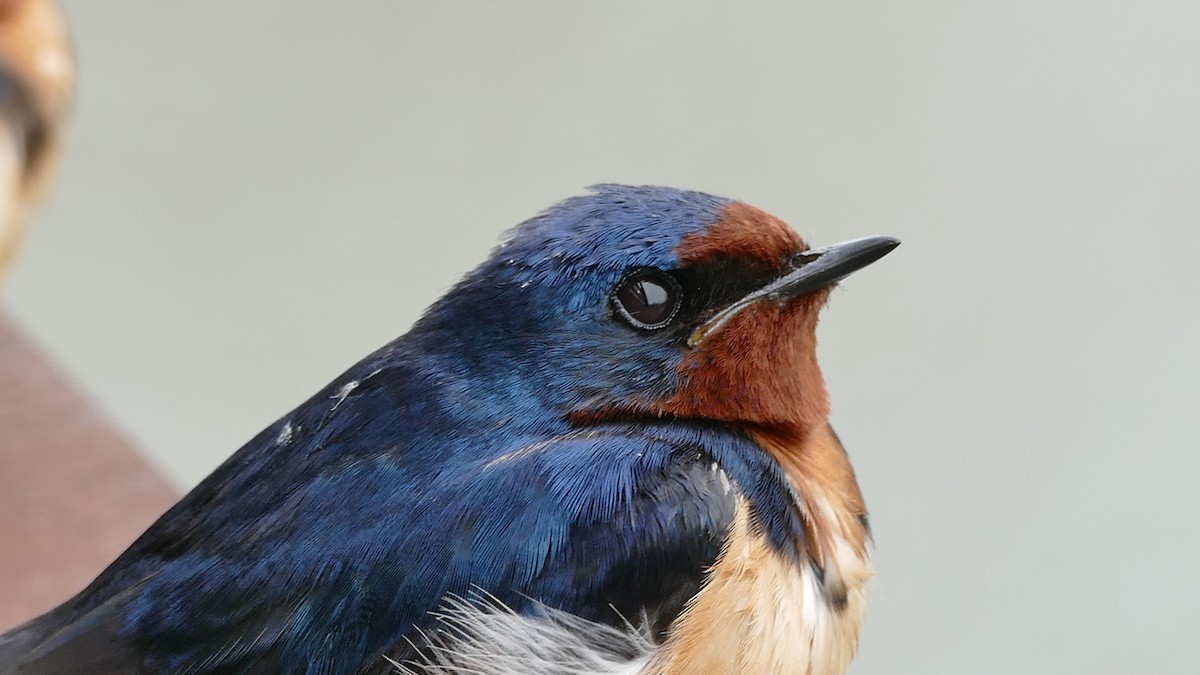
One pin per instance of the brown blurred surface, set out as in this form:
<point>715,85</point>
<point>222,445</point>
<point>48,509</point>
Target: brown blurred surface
<point>73,492</point>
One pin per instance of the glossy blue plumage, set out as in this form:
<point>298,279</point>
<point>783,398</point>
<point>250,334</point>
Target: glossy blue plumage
<point>441,464</point>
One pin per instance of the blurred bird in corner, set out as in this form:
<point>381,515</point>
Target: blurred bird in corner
<point>606,450</point>
<point>36,78</point>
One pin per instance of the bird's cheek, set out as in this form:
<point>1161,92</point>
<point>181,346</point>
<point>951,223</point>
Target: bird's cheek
<point>761,367</point>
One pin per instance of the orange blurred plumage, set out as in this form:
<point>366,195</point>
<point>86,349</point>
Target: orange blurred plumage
<point>37,75</point>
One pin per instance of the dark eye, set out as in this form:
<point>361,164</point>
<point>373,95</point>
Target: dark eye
<point>647,298</point>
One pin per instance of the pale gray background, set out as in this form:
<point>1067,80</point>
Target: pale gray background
<point>258,193</point>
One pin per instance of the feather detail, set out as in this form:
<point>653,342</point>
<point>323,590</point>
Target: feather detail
<point>761,613</point>
<point>483,636</point>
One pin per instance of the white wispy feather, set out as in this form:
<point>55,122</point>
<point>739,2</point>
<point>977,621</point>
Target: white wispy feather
<point>482,636</point>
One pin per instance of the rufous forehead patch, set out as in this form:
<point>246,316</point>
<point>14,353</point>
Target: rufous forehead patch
<point>742,231</point>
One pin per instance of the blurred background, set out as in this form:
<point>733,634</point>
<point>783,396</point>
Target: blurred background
<point>255,194</point>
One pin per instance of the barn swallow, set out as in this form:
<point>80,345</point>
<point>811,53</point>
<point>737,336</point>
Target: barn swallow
<point>36,79</point>
<point>605,450</point>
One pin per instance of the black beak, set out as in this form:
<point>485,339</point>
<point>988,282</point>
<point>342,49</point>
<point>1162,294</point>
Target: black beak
<point>812,269</point>
<point>818,268</point>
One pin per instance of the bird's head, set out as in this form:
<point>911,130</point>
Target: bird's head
<point>652,302</point>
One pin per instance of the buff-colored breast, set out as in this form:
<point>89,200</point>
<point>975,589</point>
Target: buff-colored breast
<point>762,613</point>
